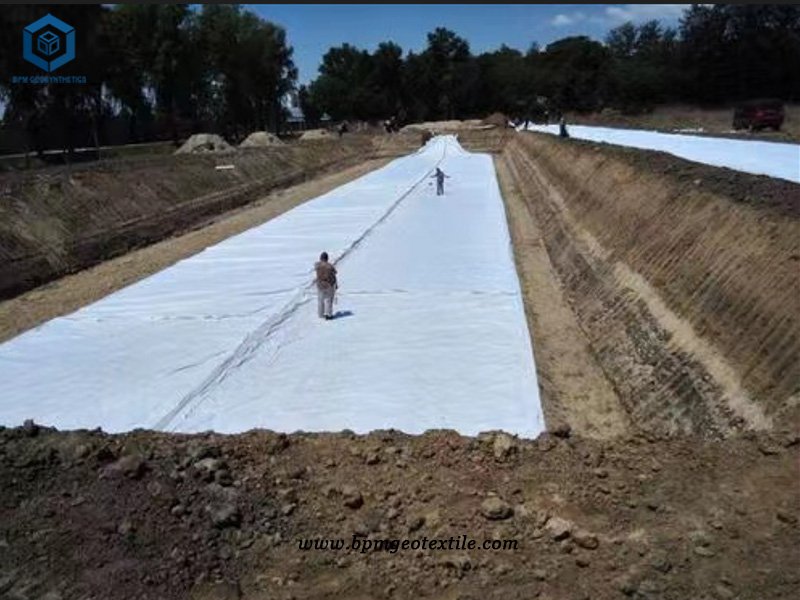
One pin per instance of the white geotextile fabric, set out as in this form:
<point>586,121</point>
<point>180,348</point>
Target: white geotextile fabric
<point>760,158</point>
<point>431,332</point>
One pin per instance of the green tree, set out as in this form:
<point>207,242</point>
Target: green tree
<point>502,82</point>
<point>451,74</point>
<point>311,111</point>
<point>249,68</point>
<point>342,88</point>
<point>152,45</point>
<point>642,71</point>
<point>574,73</point>
<point>387,79</point>
<point>621,41</point>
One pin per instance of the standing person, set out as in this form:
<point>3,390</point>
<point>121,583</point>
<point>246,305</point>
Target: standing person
<point>440,177</point>
<point>562,128</point>
<point>326,286</point>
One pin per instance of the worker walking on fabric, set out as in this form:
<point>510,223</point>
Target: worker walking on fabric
<point>440,177</point>
<point>326,286</point>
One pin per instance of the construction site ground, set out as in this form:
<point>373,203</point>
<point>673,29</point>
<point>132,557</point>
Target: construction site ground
<point>661,298</point>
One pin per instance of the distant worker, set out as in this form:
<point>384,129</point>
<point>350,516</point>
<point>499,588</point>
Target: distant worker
<point>326,286</point>
<point>390,125</point>
<point>440,177</point>
<point>562,128</point>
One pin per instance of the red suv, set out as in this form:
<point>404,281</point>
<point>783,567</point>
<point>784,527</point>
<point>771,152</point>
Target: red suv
<point>758,114</point>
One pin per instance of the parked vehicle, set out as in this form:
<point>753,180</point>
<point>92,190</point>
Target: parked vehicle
<point>759,114</point>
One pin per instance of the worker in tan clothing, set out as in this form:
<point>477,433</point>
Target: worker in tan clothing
<point>326,286</point>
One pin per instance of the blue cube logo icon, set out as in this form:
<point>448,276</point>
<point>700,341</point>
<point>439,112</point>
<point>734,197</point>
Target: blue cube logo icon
<point>48,43</point>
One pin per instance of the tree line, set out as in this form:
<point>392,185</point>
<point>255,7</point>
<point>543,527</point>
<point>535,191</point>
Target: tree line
<point>219,67</point>
<point>222,68</point>
<point>718,54</point>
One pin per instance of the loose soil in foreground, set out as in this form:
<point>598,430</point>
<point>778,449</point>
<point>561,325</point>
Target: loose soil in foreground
<point>146,515</point>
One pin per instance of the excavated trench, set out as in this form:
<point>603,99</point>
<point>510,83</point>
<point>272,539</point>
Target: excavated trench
<point>62,220</point>
<point>661,295</point>
<point>674,288</point>
<point>661,298</point>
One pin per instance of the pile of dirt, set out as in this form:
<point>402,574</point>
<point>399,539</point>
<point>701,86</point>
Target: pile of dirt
<point>445,126</point>
<point>261,139</point>
<point>201,143</point>
<point>316,134</point>
<point>497,119</point>
<point>152,515</point>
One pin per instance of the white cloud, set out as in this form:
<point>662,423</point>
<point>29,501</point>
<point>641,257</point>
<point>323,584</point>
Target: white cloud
<point>621,13</point>
<point>563,19</point>
<point>639,13</point>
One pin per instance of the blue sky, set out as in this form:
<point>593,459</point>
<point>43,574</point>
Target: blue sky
<point>313,28</point>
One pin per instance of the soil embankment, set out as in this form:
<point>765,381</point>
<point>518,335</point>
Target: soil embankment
<point>693,120</point>
<point>682,279</point>
<point>59,221</point>
<point>71,292</point>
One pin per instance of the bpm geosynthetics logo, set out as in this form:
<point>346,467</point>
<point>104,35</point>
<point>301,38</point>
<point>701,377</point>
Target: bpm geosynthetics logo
<point>48,43</point>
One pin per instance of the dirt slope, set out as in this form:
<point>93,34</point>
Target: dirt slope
<point>714,121</point>
<point>59,221</point>
<point>71,292</point>
<point>573,388</point>
<point>145,515</point>
<point>683,279</point>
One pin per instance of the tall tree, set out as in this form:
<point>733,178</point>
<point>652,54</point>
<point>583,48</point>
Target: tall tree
<point>250,68</point>
<point>451,73</point>
<point>342,88</point>
<point>574,73</point>
<point>643,71</point>
<point>387,75</point>
<point>502,81</point>
<point>311,112</point>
